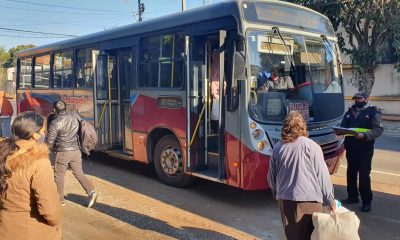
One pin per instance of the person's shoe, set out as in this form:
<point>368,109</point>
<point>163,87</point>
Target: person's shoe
<point>366,207</point>
<point>350,200</point>
<point>93,198</point>
<point>63,203</point>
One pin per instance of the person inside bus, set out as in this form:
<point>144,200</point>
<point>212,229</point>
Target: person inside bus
<point>277,82</point>
<point>299,178</point>
<point>331,86</point>
<point>215,90</point>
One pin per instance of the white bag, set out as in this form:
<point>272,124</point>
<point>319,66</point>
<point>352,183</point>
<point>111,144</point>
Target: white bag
<point>341,225</point>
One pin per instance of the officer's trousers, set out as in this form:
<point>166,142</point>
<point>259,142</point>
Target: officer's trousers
<point>359,159</point>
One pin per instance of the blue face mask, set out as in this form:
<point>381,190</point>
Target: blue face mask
<point>42,138</point>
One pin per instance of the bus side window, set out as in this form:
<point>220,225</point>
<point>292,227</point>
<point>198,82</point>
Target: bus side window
<point>161,62</point>
<point>85,68</point>
<point>25,73</point>
<point>42,71</point>
<point>62,70</point>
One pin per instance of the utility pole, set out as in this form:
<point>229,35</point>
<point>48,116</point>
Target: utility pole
<point>183,5</point>
<point>140,10</point>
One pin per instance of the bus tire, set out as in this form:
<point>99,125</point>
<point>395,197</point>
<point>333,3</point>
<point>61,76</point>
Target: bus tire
<point>168,162</point>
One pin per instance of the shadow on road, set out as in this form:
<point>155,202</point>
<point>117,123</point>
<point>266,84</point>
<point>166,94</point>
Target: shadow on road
<point>148,223</point>
<point>254,212</point>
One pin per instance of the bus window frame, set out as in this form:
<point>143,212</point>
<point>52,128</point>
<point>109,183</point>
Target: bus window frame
<point>138,63</point>
<point>75,64</point>
<point>131,70</point>
<point>33,84</point>
<point>19,71</point>
<point>73,68</point>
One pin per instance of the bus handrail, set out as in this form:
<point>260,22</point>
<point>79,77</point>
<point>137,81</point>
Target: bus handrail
<point>101,115</point>
<point>197,125</point>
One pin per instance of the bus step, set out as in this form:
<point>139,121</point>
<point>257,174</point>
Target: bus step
<point>119,154</point>
<point>212,158</point>
<point>212,143</point>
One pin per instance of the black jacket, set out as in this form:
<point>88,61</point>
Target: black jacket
<point>63,133</point>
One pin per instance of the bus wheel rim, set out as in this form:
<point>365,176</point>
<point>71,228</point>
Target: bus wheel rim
<point>170,160</point>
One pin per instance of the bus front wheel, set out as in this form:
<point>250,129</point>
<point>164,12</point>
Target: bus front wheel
<point>168,162</point>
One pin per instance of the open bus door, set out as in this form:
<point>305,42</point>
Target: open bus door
<point>205,136</point>
<point>107,109</point>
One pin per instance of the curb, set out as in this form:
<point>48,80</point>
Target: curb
<point>376,176</point>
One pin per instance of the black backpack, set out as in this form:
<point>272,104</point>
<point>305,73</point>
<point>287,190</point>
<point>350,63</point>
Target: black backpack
<point>87,135</point>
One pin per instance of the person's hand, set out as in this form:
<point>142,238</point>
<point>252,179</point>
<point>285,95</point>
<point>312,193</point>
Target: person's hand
<point>332,207</point>
<point>359,136</point>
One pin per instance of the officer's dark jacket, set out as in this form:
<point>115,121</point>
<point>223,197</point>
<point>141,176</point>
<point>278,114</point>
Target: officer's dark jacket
<point>366,118</point>
<point>63,133</point>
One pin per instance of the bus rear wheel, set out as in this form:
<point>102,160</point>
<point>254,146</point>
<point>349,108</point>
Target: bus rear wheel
<point>168,162</point>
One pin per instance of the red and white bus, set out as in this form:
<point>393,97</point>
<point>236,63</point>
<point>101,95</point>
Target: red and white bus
<point>146,87</point>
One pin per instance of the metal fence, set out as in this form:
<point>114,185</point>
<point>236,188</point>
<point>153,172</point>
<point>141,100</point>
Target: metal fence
<point>8,87</point>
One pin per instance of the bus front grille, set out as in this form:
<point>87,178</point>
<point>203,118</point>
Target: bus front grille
<point>329,149</point>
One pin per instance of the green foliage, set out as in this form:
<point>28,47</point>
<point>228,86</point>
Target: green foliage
<point>13,53</point>
<point>372,28</point>
<point>4,56</point>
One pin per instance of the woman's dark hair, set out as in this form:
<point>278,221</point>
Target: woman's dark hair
<point>23,127</point>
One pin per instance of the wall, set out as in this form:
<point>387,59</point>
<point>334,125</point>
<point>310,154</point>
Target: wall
<point>386,91</point>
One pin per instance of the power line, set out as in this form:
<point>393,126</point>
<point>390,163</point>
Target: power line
<point>66,7</point>
<point>5,35</point>
<point>78,21</point>
<point>32,10</point>
<point>27,31</point>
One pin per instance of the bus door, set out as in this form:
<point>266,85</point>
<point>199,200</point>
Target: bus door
<point>126,80</point>
<point>107,110</point>
<point>205,110</point>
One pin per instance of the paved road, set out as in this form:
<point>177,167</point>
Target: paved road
<point>133,204</point>
<point>386,160</point>
<point>387,154</point>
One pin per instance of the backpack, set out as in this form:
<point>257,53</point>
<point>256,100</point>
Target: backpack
<point>87,136</point>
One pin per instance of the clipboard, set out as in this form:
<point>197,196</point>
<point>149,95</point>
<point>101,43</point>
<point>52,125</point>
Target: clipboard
<point>344,131</point>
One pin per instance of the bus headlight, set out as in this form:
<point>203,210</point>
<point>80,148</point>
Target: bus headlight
<point>261,145</point>
<point>258,134</point>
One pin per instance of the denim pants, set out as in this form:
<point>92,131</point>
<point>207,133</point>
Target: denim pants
<point>5,126</point>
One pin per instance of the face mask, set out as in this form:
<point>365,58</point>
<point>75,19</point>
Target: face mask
<point>360,104</point>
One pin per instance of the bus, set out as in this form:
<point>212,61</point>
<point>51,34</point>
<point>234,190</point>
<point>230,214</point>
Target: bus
<point>148,88</point>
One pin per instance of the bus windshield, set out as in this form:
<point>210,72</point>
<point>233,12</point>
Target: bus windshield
<point>293,73</point>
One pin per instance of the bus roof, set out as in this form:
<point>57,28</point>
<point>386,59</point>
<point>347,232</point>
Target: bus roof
<point>213,11</point>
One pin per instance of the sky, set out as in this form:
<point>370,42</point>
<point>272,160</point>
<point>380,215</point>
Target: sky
<point>56,20</point>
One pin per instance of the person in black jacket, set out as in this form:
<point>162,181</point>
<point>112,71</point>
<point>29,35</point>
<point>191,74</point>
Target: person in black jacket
<point>367,121</point>
<point>63,140</point>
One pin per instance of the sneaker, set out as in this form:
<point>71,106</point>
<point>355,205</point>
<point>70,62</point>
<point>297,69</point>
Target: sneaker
<point>350,200</point>
<point>63,203</point>
<point>366,207</point>
<point>93,198</point>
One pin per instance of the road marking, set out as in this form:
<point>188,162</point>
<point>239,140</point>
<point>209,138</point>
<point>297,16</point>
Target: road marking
<point>388,173</point>
<point>385,219</point>
<point>391,133</point>
<point>377,171</point>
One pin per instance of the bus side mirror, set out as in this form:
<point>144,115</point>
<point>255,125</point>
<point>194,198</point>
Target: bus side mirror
<point>238,74</point>
<point>239,67</point>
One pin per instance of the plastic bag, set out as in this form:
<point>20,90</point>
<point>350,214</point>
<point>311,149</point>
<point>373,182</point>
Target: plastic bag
<point>341,225</point>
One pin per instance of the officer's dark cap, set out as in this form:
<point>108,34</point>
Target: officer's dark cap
<point>360,94</point>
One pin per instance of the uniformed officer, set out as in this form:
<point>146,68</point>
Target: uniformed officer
<point>367,121</point>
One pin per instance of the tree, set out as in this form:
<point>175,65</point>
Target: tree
<point>13,53</point>
<point>3,58</point>
<point>370,25</point>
